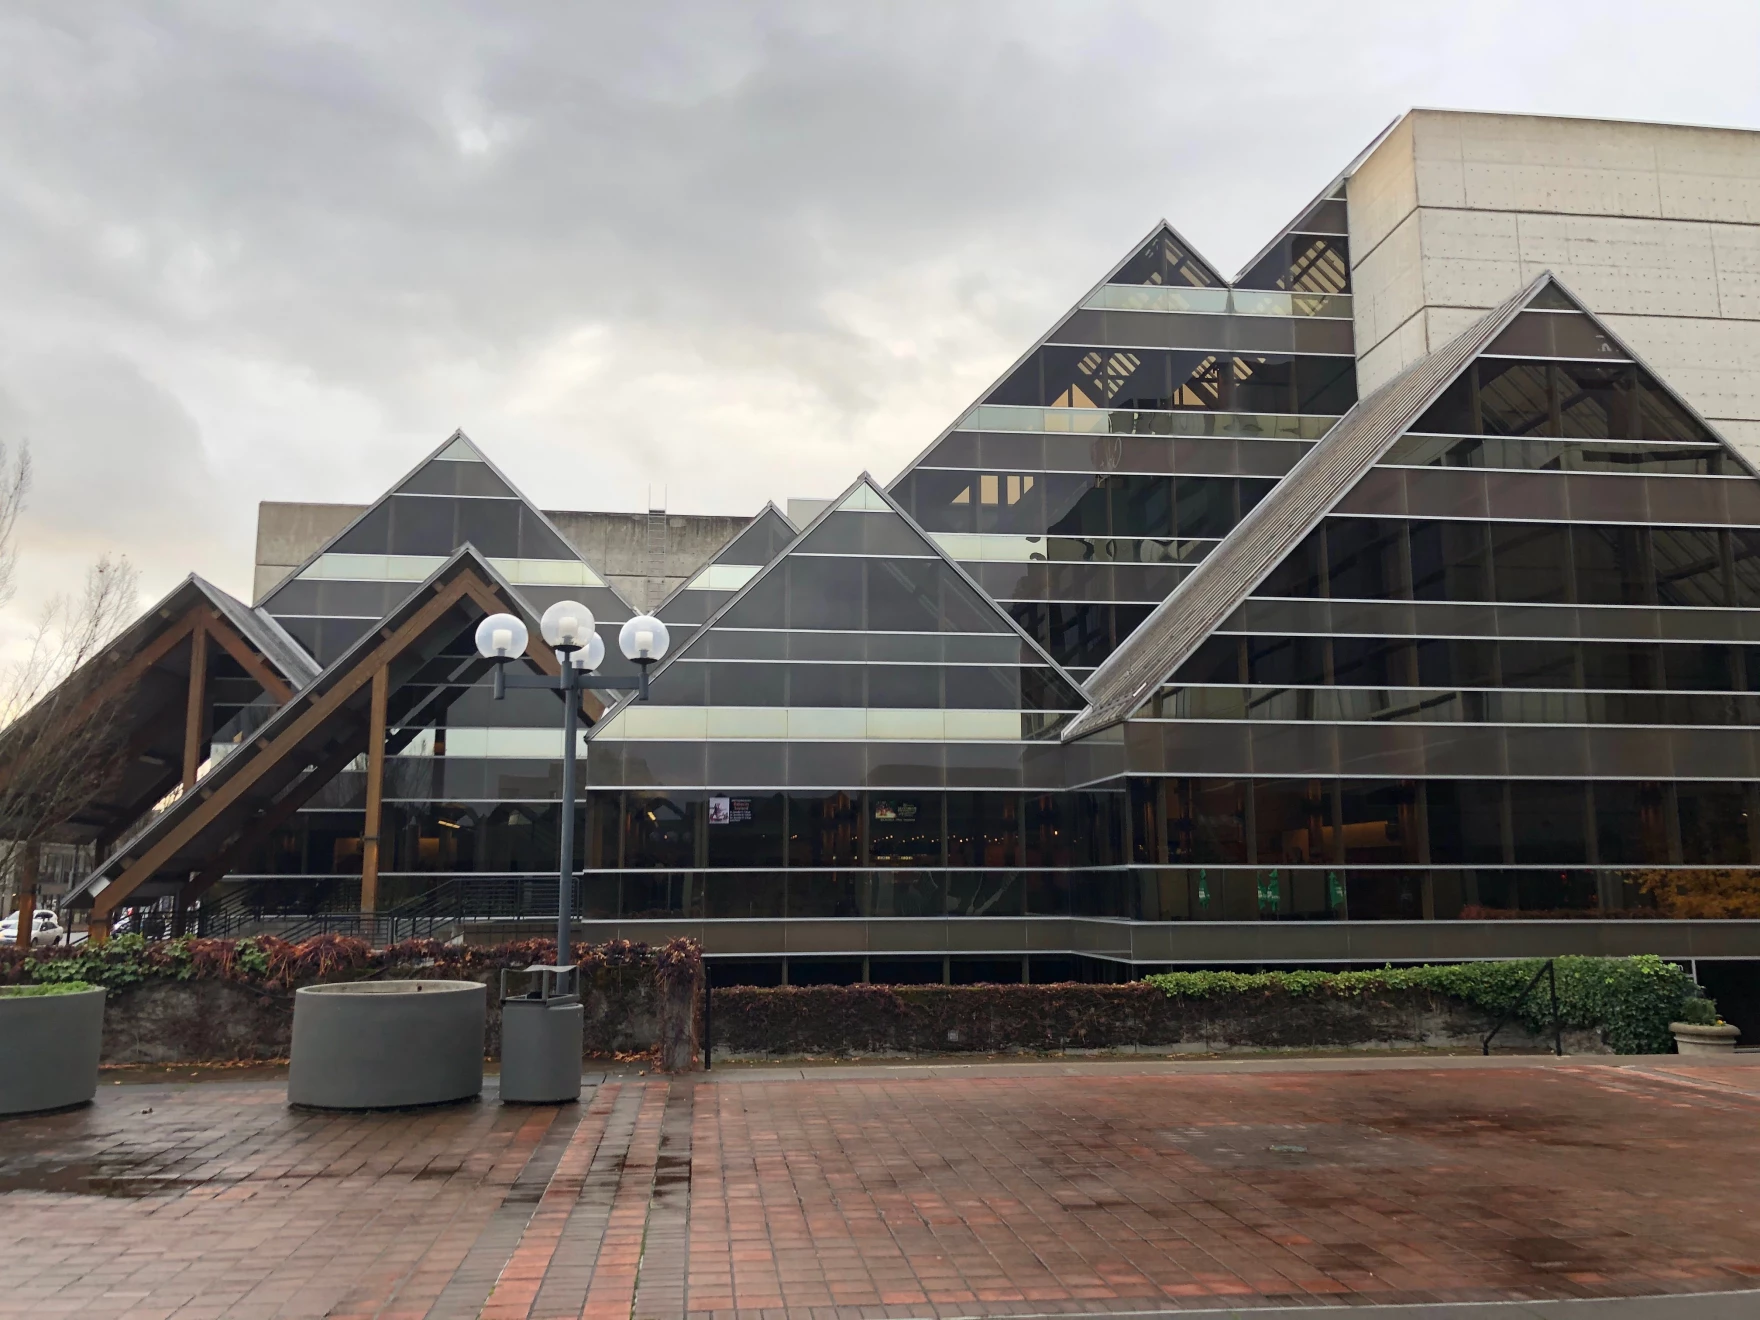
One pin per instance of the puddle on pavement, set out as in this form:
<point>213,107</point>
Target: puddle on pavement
<point>93,1178</point>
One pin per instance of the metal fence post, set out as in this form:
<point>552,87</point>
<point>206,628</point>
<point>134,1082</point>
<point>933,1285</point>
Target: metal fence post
<point>1552,984</point>
<point>708,1019</point>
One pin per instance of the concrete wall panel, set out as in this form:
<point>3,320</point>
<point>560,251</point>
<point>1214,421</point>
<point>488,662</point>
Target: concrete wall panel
<point>1736,251</point>
<point>1708,173</point>
<point>1395,352</point>
<point>1387,285</point>
<point>1383,192</point>
<point>1655,267</point>
<point>1471,258</point>
<point>289,534</point>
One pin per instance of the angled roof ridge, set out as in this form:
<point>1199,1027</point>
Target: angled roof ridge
<point>457,435</point>
<point>1317,198</point>
<point>753,521</point>
<point>1260,541</point>
<point>278,646</point>
<point>1041,340</point>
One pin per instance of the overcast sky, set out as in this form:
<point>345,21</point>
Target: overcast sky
<point>743,251</point>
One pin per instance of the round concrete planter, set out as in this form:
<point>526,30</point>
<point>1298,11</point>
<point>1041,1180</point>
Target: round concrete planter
<point>49,1047</point>
<point>1692,1038</point>
<point>386,1044</point>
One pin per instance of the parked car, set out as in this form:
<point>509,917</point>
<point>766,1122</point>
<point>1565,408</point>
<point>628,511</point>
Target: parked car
<point>45,928</point>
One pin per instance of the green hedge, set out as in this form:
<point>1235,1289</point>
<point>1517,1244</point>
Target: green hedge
<point>1630,1001</point>
<point>276,964</point>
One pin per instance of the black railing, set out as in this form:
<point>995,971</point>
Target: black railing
<point>1550,972</point>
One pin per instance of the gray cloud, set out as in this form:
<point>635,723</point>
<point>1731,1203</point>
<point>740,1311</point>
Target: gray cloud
<point>743,251</point>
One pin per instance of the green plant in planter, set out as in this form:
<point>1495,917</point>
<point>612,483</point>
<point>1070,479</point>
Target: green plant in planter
<point>1699,1012</point>
<point>40,991</point>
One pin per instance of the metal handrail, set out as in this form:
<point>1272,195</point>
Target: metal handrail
<point>1549,971</point>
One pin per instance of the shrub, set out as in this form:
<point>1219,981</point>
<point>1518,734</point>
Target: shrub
<point>1630,1001</point>
<point>275,964</point>
<point>1699,1012</point>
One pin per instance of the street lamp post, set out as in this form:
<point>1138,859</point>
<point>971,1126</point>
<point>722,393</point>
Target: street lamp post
<point>541,1027</point>
<point>568,628</point>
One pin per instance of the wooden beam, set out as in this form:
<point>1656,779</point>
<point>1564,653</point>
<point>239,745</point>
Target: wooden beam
<point>271,820</point>
<point>375,789</point>
<point>124,677</point>
<point>195,710</point>
<point>265,755</point>
<point>248,660</point>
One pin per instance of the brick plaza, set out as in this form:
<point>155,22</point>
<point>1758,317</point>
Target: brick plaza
<point>832,1193</point>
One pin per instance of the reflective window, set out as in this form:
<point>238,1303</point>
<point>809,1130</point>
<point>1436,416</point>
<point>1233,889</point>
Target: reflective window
<point>1631,823</point>
<point>983,829</point>
<point>1365,558</point>
<point>904,829</point>
<point>745,829</point>
<point>1612,565</point>
<point>1312,263</point>
<point>824,830</point>
<point>1547,821</point>
<point>661,831</point>
<point>1689,566</point>
<point>1150,379</point>
<point>1557,455</point>
<point>1164,260</point>
<point>1531,562</point>
<point>1450,561</point>
<point>1292,821</point>
<point>1466,820</point>
<point>1714,822</point>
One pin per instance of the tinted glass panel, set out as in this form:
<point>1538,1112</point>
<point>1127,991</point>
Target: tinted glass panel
<point>1364,558</point>
<point>1449,561</point>
<point>1689,566</point>
<point>1531,562</point>
<point>1547,821</point>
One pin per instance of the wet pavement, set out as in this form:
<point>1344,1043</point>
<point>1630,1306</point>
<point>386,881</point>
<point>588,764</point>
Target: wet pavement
<point>992,1190</point>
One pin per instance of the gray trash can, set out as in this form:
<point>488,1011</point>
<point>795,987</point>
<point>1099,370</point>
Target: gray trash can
<point>541,1023</point>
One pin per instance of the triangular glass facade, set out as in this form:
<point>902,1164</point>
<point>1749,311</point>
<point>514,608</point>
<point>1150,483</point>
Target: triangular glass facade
<point>1515,670</point>
<point>734,565</point>
<point>453,498</point>
<point>854,733</point>
<point>1084,485</point>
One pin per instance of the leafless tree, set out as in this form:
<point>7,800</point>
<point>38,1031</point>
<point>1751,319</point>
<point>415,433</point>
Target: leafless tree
<point>58,709</point>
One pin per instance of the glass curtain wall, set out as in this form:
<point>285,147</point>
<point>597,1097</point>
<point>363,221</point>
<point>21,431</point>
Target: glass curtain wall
<point>850,737</point>
<point>1527,687</point>
<point>1082,488</point>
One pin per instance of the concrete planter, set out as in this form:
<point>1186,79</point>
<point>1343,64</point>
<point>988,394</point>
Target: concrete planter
<point>1691,1038</point>
<point>386,1044</point>
<point>49,1048</point>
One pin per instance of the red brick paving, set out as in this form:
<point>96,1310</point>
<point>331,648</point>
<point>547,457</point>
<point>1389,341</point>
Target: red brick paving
<point>893,1194</point>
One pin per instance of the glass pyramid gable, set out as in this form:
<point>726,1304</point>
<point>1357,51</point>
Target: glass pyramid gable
<point>1082,487</point>
<point>734,565</point>
<point>454,497</point>
<point>1598,487</point>
<point>862,629</point>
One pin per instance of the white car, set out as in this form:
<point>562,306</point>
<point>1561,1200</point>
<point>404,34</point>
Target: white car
<point>45,928</point>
